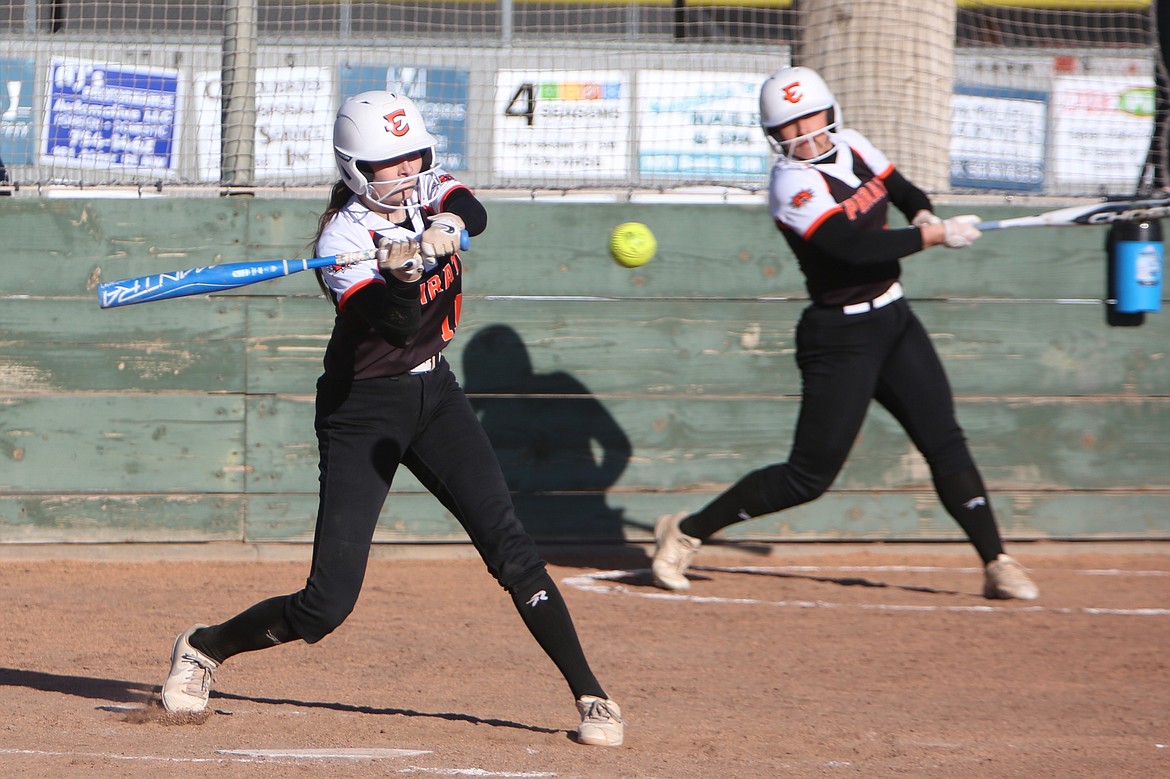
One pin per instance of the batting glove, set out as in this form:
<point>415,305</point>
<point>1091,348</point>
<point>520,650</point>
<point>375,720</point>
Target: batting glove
<point>961,231</point>
<point>401,258</point>
<point>925,217</point>
<point>441,239</point>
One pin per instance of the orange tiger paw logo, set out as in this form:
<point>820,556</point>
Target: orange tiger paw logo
<point>801,198</point>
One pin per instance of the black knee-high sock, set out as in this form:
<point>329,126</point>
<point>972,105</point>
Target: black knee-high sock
<point>742,501</point>
<point>547,617</point>
<point>257,627</point>
<point>965,498</point>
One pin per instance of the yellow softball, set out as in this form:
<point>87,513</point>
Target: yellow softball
<point>631,244</point>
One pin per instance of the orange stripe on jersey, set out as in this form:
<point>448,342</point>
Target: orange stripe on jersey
<point>355,288</point>
<point>812,228</point>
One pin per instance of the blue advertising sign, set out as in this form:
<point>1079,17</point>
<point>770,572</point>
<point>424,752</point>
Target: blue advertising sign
<point>101,115</point>
<point>17,142</point>
<point>441,96</point>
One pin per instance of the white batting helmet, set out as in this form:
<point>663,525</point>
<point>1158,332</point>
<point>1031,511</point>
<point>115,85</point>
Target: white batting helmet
<point>790,93</point>
<point>376,126</point>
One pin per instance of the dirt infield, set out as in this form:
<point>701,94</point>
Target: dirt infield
<point>808,661</point>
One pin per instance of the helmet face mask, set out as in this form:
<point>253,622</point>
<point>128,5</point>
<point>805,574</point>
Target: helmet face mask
<point>374,127</point>
<point>390,183</point>
<point>808,142</point>
<point>790,94</point>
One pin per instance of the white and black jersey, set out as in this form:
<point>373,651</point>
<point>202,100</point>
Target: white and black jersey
<point>829,211</point>
<point>356,349</point>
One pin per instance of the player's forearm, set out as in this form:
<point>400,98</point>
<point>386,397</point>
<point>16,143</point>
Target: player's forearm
<point>842,239</point>
<point>933,234</point>
<point>393,310</point>
<point>467,207</point>
<point>905,196</point>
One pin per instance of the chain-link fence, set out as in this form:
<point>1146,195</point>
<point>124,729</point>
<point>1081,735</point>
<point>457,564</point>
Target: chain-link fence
<point>1038,97</point>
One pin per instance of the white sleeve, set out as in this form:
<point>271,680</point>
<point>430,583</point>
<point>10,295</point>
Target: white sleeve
<point>341,235</point>
<point>799,198</point>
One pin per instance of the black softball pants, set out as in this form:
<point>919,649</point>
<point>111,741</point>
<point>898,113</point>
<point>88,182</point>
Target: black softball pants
<point>364,430</point>
<point>845,361</point>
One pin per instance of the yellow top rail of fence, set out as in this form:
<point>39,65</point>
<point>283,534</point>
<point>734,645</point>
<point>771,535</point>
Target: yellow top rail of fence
<point>1056,5</point>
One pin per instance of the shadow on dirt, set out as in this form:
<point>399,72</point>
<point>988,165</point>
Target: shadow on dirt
<point>843,581</point>
<point>121,691</point>
<point>82,686</point>
<point>642,578</point>
<point>348,707</point>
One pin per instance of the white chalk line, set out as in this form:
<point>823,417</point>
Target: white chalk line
<point>473,772</point>
<point>597,582</point>
<point>128,758</point>
<point>236,755</point>
<point>286,755</point>
<point>325,754</point>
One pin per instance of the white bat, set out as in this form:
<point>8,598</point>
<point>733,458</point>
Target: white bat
<point>1104,213</point>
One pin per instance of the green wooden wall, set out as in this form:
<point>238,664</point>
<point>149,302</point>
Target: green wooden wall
<point>612,395</point>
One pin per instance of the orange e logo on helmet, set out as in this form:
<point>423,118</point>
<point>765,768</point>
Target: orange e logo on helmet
<point>398,126</point>
<point>793,93</point>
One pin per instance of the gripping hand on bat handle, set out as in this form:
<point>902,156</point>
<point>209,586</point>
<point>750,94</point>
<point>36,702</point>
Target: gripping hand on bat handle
<point>957,232</point>
<point>401,258</point>
<point>445,236</point>
<point>924,217</point>
<point>960,231</point>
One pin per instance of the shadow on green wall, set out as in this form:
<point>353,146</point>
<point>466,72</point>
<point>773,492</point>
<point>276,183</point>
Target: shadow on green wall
<point>559,447</point>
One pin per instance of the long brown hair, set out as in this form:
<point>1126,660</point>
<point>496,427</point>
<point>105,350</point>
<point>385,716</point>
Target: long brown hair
<point>338,197</point>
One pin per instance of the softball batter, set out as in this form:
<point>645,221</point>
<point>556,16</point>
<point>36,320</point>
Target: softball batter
<point>829,193</point>
<point>387,397</point>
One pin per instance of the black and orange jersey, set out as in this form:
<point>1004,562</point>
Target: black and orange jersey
<point>833,213</point>
<point>355,348</point>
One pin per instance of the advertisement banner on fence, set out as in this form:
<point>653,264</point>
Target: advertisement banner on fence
<point>998,138</point>
<point>1101,131</point>
<point>441,95</point>
<point>110,116</point>
<point>295,109</point>
<point>567,125</point>
<point>700,125</point>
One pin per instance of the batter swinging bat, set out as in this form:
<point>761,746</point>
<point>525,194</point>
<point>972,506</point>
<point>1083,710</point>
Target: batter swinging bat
<point>1095,214</point>
<point>217,278</point>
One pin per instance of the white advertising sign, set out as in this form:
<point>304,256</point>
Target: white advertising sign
<point>561,124</point>
<point>1101,131</point>
<point>700,125</point>
<point>997,138</point>
<point>294,123</point>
